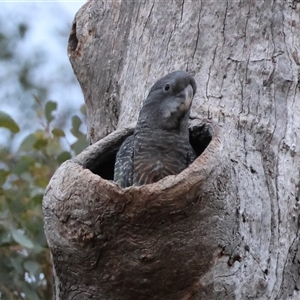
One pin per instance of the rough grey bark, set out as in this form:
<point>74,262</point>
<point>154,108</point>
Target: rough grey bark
<point>228,226</point>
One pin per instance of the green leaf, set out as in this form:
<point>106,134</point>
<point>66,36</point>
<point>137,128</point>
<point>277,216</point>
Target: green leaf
<point>4,239</point>
<point>38,248</point>
<point>22,239</point>
<point>83,109</point>
<point>32,267</point>
<point>76,123</point>
<point>23,165</point>
<point>58,132</point>
<point>28,142</point>
<point>30,292</point>
<point>17,265</point>
<point>53,148</point>
<point>41,140</point>
<point>3,175</point>
<point>49,108</point>
<point>63,157</point>
<point>80,144</point>
<point>11,194</point>
<point>40,143</point>
<point>7,122</point>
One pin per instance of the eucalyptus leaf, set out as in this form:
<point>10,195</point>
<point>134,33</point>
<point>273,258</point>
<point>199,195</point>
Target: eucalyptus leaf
<point>28,142</point>
<point>3,176</point>
<point>58,132</point>
<point>30,292</point>
<point>63,157</point>
<point>7,122</point>
<point>32,267</point>
<point>17,265</point>
<point>49,108</point>
<point>80,144</point>
<point>22,239</point>
<point>76,123</point>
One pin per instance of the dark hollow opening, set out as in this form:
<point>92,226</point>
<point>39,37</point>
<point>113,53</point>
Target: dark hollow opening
<point>73,41</point>
<point>200,137</point>
<point>106,169</point>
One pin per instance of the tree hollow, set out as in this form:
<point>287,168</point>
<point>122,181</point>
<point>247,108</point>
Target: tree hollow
<point>127,239</point>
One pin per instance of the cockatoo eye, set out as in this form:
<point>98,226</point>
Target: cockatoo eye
<point>167,87</point>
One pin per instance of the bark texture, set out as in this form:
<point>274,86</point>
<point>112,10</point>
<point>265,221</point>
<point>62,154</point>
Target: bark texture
<point>227,227</point>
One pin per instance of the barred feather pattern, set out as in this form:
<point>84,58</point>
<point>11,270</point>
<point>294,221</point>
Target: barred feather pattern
<point>123,173</point>
<point>157,156</point>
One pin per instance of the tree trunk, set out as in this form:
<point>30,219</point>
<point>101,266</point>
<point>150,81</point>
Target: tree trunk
<point>227,227</point>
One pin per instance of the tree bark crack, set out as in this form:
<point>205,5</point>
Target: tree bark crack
<point>181,11</point>
<point>224,24</point>
<point>198,31</point>
<point>208,95</point>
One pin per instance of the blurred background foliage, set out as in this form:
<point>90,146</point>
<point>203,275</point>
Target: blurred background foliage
<point>35,139</point>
